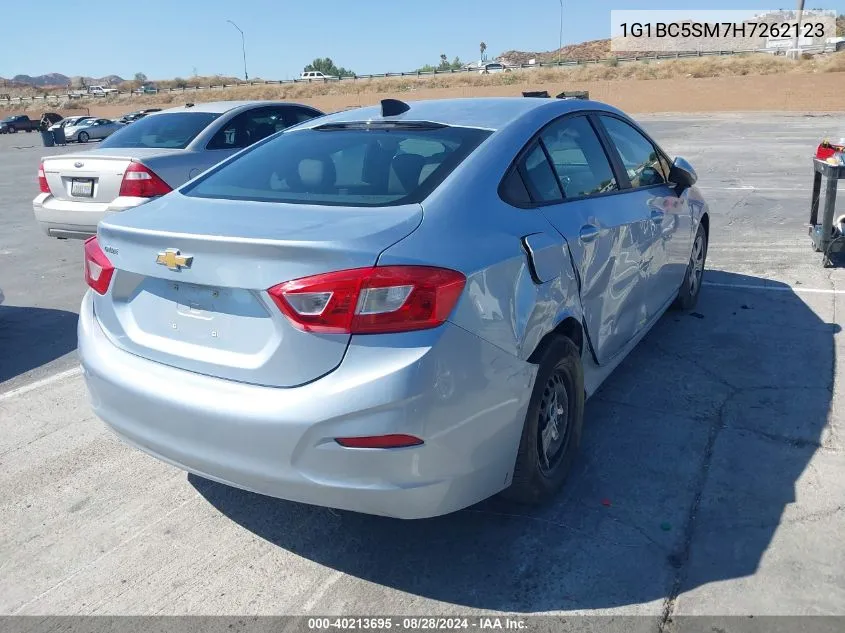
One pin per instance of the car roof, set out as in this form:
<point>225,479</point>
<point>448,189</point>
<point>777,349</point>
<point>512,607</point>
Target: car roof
<point>219,107</point>
<point>492,113</point>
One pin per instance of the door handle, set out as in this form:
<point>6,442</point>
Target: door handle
<point>589,232</point>
<point>657,216</point>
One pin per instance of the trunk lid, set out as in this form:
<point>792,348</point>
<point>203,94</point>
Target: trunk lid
<point>214,316</point>
<point>93,176</point>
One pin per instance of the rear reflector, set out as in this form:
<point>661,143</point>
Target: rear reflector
<point>42,180</point>
<point>139,181</point>
<point>379,441</point>
<point>370,300</point>
<point>98,268</point>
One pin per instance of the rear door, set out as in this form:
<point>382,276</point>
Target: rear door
<point>666,237</point>
<point>571,174</point>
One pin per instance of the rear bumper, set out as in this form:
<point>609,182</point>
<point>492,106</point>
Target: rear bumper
<point>69,218</point>
<point>466,398</point>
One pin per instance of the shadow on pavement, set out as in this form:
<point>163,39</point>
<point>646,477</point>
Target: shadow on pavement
<point>31,337</point>
<point>698,437</point>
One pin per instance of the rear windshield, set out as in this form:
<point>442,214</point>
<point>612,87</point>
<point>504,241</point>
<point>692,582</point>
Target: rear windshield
<point>337,165</point>
<point>170,130</point>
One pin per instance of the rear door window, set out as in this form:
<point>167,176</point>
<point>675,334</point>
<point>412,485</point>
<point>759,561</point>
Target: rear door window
<point>295,115</point>
<point>347,164</point>
<point>252,126</point>
<point>578,157</point>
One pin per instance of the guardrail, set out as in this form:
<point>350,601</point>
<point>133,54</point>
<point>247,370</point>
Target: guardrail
<point>415,73</point>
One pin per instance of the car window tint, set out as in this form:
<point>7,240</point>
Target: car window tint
<point>513,188</point>
<point>639,156</point>
<point>169,130</point>
<point>538,176</point>
<point>294,116</point>
<point>578,158</point>
<point>350,166</point>
<point>248,128</point>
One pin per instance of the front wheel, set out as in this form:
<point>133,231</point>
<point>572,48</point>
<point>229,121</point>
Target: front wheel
<point>552,431</point>
<point>12,130</point>
<point>691,288</point>
<point>83,137</point>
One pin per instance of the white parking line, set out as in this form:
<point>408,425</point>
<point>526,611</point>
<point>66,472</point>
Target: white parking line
<point>49,380</point>
<point>783,288</point>
<point>753,188</point>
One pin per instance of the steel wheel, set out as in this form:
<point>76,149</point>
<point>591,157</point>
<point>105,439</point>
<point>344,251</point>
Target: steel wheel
<point>696,264</point>
<point>553,424</point>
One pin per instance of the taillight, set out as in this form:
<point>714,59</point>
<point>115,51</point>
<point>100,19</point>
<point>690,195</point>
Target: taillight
<point>139,181</point>
<point>379,441</point>
<point>98,268</point>
<point>370,300</point>
<point>42,180</point>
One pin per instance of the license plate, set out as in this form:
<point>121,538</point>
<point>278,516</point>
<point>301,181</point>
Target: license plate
<point>82,187</point>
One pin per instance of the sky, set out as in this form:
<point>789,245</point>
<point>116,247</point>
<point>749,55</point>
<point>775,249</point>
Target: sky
<point>179,38</point>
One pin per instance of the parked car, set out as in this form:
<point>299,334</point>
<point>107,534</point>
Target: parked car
<point>91,128</point>
<point>68,122</point>
<point>146,90</point>
<point>493,68</point>
<point>149,158</point>
<point>396,310</point>
<point>315,75</point>
<point>138,114</point>
<point>17,123</point>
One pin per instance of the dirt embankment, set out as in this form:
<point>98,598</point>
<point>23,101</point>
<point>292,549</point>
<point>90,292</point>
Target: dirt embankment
<point>737,83</point>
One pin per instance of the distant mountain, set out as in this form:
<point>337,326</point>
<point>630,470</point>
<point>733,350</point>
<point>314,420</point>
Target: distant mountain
<point>58,79</point>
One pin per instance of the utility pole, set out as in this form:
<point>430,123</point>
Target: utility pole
<point>560,39</point>
<point>243,46</point>
<point>795,45</point>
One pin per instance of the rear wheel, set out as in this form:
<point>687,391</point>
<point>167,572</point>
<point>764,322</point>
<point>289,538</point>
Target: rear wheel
<point>691,288</point>
<point>83,137</point>
<point>552,431</point>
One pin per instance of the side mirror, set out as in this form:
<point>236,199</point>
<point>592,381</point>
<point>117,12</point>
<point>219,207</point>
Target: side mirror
<point>682,174</point>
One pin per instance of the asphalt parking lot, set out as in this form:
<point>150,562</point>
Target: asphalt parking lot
<point>710,479</point>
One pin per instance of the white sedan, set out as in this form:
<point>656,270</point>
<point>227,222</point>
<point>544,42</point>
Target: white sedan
<point>88,129</point>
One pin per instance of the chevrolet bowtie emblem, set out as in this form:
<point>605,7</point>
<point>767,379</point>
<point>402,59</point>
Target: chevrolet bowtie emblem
<point>173,259</point>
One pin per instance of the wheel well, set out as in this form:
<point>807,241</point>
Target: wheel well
<point>705,222</point>
<point>570,328</point>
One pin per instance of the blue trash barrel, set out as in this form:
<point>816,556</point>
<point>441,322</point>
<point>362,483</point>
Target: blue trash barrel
<point>47,138</point>
<point>59,136</point>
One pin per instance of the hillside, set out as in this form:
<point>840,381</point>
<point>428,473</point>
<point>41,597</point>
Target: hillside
<point>57,80</point>
<point>593,49</point>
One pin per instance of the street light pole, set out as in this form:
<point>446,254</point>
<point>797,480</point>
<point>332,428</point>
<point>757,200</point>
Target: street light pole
<point>243,46</point>
<point>560,39</point>
<point>795,44</point>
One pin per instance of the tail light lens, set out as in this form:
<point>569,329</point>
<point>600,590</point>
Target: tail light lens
<point>370,300</point>
<point>42,180</point>
<point>139,181</point>
<point>98,268</point>
<point>379,441</point>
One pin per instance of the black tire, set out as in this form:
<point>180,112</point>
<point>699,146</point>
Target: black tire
<point>534,481</point>
<point>29,130</point>
<point>691,288</point>
<point>83,137</point>
<point>12,130</point>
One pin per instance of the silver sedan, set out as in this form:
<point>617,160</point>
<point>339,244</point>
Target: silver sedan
<point>91,129</point>
<point>148,159</point>
<point>396,310</point>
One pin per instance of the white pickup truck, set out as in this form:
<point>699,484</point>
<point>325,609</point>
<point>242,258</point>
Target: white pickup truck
<point>101,91</point>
